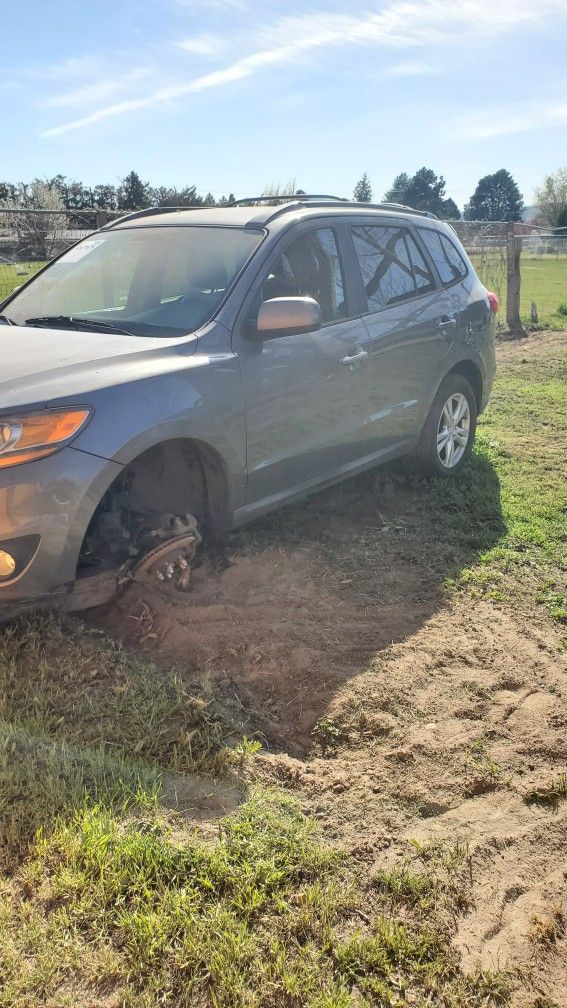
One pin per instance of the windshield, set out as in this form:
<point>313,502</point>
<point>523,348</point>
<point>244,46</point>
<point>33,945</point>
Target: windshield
<point>148,281</point>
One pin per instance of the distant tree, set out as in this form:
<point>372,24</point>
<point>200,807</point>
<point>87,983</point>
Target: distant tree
<point>78,197</point>
<point>423,191</point>
<point>561,226</point>
<point>133,194</point>
<point>496,198</point>
<point>38,233</point>
<point>426,191</point>
<point>170,196</point>
<point>363,190</point>
<point>7,191</point>
<point>450,210</point>
<point>105,197</point>
<point>551,198</point>
<point>398,189</point>
<point>284,189</point>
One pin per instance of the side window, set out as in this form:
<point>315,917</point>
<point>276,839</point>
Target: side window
<point>424,281</point>
<point>310,265</point>
<point>449,262</point>
<point>387,272</point>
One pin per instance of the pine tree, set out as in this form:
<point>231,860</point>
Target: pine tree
<point>496,198</point>
<point>450,210</point>
<point>133,193</point>
<point>398,189</point>
<point>426,191</point>
<point>363,190</point>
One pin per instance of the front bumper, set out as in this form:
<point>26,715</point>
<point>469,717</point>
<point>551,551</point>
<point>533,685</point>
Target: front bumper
<point>54,499</point>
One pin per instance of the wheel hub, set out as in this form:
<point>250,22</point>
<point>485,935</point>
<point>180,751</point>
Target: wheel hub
<point>453,430</point>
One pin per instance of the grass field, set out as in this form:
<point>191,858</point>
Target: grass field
<point>12,276</point>
<point>543,281</point>
<point>116,892</point>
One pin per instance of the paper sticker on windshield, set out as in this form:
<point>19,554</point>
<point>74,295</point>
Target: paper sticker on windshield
<point>82,250</point>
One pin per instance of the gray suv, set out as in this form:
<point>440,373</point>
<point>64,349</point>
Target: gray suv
<point>181,372</point>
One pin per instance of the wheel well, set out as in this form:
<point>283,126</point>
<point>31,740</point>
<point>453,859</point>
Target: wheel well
<point>176,477</point>
<point>179,476</point>
<point>469,370</point>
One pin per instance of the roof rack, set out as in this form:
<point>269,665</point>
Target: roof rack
<point>287,198</point>
<point>324,201</point>
<point>402,208</point>
<point>148,212</point>
<point>290,203</point>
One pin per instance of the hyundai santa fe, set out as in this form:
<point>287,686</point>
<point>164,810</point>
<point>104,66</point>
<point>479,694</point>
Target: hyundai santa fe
<point>180,372</point>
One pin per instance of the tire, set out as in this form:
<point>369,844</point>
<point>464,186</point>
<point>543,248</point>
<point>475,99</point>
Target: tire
<point>445,457</point>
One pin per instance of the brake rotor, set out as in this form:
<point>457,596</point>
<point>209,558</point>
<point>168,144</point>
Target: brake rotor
<point>170,562</point>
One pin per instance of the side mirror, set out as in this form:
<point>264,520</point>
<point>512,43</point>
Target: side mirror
<point>287,316</point>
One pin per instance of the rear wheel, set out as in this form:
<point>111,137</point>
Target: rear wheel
<point>448,433</point>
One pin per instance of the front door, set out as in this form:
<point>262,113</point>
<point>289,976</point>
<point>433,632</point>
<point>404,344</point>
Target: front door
<point>304,394</point>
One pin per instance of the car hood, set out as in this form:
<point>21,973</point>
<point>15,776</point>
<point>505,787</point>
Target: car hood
<point>38,365</point>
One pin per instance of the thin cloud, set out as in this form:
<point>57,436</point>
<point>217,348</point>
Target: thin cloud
<point>401,24</point>
<point>97,91</point>
<point>206,45</point>
<point>504,121</point>
<point>409,70</point>
<point>213,5</point>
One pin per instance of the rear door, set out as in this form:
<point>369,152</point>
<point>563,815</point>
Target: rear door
<point>408,328</point>
<point>304,394</point>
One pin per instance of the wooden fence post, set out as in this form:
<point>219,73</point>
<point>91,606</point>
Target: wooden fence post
<point>513,253</point>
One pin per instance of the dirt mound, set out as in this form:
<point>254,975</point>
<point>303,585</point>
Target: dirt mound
<point>268,627</point>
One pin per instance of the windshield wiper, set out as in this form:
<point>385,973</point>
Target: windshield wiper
<point>71,322</point>
<point>4,320</point>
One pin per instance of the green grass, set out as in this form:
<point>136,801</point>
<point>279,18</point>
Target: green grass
<point>543,280</point>
<point>259,918</point>
<point>523,436</point>
<point>13,276</point>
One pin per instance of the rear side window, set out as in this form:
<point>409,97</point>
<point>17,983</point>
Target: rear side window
<point>393,269</point>
<point>449,262</point>
<point>423,276</point>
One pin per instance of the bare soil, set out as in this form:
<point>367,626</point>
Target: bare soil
<point>392,709</point>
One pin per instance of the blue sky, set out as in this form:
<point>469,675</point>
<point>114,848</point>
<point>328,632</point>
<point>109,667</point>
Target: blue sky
<point>233,95</point>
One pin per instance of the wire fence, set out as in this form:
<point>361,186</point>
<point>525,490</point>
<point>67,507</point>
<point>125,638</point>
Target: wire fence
<point>541,267</point>
<point>498,250</point>
<point>31,238</point>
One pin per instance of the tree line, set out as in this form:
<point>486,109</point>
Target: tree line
<point>130,194</point>
<point>496,196</point>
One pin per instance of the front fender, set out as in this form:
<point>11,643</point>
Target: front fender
<point>202,402</point>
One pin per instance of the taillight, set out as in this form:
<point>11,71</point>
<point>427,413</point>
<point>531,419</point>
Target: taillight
<point>493,302</point>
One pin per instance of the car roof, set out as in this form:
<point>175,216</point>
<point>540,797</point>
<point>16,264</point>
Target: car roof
<point>259,216</point>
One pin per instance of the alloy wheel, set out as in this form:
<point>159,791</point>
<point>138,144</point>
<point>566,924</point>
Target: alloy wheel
<point>453,431</point>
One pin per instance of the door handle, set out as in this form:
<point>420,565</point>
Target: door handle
<point>353,358</point>
<point>446,323</point>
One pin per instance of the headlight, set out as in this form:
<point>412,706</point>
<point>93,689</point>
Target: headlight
<point>33,435</point>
